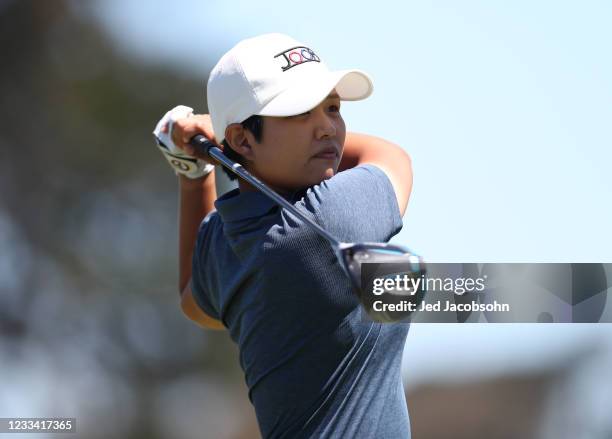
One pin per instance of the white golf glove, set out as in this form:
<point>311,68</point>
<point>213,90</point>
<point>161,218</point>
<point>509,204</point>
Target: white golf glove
<point>185,164</point>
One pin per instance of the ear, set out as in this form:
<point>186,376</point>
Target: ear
<point>236,137</point>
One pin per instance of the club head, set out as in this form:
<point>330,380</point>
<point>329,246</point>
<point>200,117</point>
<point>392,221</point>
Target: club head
<point>392,260</point>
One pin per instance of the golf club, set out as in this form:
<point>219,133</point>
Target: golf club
<point>350,255</point>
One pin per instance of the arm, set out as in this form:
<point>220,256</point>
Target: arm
<point>196,201</point>
<point>197,197</point>
<point>360,149</point>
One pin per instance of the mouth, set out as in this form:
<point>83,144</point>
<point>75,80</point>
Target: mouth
<point>329,153</point>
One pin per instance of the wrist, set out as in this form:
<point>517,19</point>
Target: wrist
<point>194,183</point>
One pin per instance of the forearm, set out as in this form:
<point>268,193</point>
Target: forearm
<point>197,199</point>
<point>361,148</point>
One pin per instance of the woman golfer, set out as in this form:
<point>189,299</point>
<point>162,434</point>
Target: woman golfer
<point>314,368</point>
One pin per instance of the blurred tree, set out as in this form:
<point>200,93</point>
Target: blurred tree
<point>88,207</point>
<point>77,119</point>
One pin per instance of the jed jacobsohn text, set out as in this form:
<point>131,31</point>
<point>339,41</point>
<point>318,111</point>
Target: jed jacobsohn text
<point>404,305</point>
<point>410,285</point>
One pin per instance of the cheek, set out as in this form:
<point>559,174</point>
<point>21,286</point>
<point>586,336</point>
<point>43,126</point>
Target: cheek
<point>287,151</point>
<point>278,161</point>
<point>341,130</point>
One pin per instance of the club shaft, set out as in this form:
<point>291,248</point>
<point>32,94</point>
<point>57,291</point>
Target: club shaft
<point>201,143</point>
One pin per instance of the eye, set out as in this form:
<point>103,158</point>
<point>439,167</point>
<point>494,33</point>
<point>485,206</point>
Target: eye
<point>334,108</point>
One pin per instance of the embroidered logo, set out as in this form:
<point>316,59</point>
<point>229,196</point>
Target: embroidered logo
<point>296,56</point>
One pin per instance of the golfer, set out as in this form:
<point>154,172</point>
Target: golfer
<point>313,366</point>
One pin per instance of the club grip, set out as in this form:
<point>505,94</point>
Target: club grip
<point>201,144</point>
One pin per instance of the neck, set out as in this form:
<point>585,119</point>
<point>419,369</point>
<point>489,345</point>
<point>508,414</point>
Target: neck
<point>244,186</point>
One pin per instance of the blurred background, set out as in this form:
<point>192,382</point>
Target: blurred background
<point>503,106</point>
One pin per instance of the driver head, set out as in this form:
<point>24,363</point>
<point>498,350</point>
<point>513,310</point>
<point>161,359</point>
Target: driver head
<point>385,278</point>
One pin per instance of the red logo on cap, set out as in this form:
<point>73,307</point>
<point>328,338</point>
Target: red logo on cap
<point>296,56</point>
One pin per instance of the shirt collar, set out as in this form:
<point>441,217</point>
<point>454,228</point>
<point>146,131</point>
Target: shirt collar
<point>235,205</point>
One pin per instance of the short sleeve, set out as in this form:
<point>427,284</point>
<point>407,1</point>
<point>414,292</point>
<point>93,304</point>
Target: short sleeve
<point>201,293</point>
<point>358,204</point>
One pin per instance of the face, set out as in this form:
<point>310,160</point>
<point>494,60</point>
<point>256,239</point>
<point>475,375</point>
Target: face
<point>302,150</point>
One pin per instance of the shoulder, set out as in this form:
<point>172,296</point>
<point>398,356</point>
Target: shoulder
<point>356,181</point>
<point>358,203</point>
<point>363,182</point>
<point>209,223</point>
<point>359,172</point>
<point>208,228</point>
<point>211,219</point>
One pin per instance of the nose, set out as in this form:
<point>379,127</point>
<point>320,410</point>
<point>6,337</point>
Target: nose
<point>325,126</point>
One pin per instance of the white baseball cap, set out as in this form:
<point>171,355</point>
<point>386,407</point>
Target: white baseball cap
<point>275,75</point>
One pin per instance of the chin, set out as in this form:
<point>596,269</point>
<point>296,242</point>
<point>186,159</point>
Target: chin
<point>329,173</point>
<point>319,176</point>
<point>326,175</point>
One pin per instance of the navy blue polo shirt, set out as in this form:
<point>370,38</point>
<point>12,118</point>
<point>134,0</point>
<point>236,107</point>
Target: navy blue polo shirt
<point>313,367</point>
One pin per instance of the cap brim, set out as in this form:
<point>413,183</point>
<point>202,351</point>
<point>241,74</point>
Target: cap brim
<point>351,85</point>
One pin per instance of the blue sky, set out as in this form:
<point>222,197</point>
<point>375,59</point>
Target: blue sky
<point>505,108</point>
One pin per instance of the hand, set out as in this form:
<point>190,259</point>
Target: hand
<point>173,132</point>
<point>185,128</point>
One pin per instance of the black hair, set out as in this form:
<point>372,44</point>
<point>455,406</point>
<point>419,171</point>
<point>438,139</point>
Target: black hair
<point>254,124</point>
